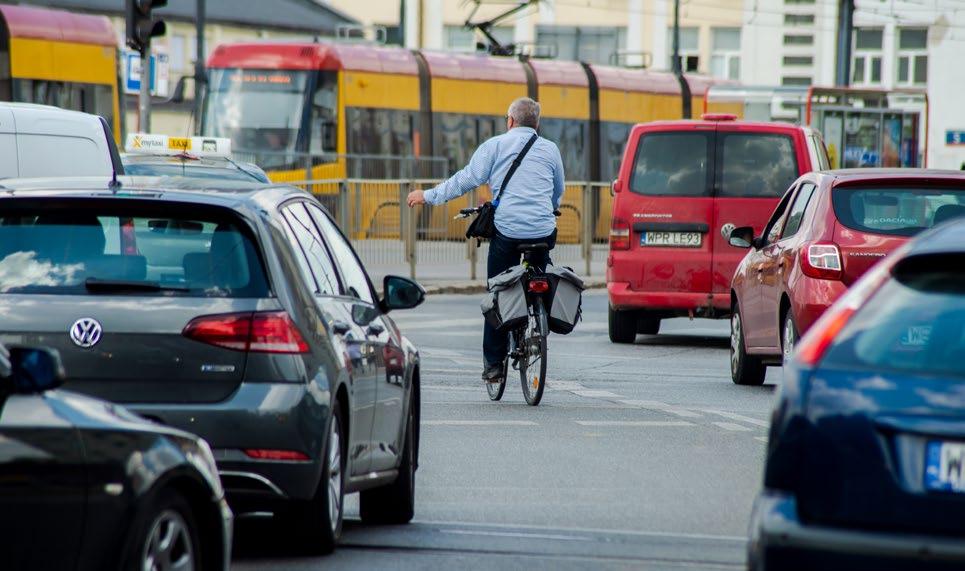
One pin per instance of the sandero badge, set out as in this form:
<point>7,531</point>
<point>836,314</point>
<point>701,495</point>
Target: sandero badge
<point>86,332</point>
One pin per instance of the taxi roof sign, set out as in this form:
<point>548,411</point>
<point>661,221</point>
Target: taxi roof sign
<point>152,144</point>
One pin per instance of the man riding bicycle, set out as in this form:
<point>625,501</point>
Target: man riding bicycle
<point>525,209</point>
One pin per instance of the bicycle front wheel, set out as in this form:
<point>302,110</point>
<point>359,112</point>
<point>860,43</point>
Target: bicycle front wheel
<point>532,363</point>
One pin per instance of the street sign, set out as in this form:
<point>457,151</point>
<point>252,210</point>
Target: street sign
<point>954,138</point>
<point>160,73</point>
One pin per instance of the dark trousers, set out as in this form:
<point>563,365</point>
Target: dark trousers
<point>503,254</point>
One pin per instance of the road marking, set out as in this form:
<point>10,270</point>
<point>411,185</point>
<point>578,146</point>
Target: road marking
<point>441,324</point>
<point>662,407</point>
<point>509,526</point>
<point>740,418</point>
<point>761,438</point>
<point>634,423</point>
<point>590,393</point>
<point>479,423</point>
<point>732,427</point>
<point>564,385</point>
<point>517,534</point>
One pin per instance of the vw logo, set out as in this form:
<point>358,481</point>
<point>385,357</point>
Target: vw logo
<point>726,229</point>
<point>86,332</point>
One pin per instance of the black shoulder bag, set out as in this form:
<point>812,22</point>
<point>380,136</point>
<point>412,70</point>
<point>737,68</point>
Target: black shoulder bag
<point>484,226</point>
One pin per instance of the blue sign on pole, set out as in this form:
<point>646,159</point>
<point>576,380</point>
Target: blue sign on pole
<point>954,137</point>
<point>132,73</point>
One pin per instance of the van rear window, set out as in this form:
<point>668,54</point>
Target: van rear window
<point>756,165</point>
<point>672,164</point>
<point>107,247</point>
<point>896,211</point>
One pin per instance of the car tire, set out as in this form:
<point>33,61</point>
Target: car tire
<point>745,369</point>
<point>622,325</point>
<point>648,325</point>
<point>316,524</point>
<point>789,336</point>
<point>164,529</point>
<point>394,503</point>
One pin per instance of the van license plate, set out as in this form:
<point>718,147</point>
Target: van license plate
<point>945,466</point>
<point>672,239</point>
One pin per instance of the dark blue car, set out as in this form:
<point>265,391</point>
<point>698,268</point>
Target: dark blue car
<point>865,465</point>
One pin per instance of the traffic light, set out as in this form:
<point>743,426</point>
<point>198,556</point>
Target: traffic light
<point>141,27</point>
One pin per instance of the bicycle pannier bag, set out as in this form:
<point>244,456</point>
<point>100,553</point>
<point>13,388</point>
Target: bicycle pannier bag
<point>505,306</point>
<point>566,301</point>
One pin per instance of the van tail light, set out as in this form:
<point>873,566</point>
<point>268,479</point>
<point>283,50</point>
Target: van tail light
<point>267,454</point>
<point>128,237</point>
<point>259,332</point>
<point>538,286</point>
<point>822,260</point>
<point>619,235</point>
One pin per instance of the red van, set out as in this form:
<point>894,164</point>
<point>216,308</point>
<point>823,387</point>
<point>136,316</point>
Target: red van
<point>683,186</point>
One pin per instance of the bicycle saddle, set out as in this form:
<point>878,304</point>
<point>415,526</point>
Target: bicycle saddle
<point>535,247</point>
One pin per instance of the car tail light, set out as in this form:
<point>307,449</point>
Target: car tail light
<point>619,235</point>
<point>267,454</point>
<point>538,286</point>
<point>261,332</point>
<point>822,260</point>
<point>128,237</point>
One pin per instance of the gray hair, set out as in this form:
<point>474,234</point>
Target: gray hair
<point>525,112</point>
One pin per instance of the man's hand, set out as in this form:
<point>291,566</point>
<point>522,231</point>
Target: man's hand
<point>416,197</point>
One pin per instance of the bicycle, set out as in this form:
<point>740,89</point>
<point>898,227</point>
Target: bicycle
<point>527,342</point>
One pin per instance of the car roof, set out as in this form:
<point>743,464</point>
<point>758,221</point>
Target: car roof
<point>842,177</point>
<point>36,107</point>
<point>947,238</point>
<point>687,124</point>
<point>227,193</point>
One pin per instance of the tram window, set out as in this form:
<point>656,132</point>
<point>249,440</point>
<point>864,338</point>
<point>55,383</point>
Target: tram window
<point>324,135</point>
<point>86,97</point>
<point>569,136</point>
<point>455,138</point>
<point>613,141</point>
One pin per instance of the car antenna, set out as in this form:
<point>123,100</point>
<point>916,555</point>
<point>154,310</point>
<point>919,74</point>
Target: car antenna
<point>114,184</point>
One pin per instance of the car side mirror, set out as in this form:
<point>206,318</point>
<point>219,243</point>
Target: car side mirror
<point>742,237</point>
<point>401,293</point>
<point>33,370</point>
<point>617,186</point>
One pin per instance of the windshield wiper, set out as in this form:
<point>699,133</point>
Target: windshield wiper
<point>99,285</point>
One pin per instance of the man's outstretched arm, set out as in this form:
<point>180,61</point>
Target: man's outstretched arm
<point>476,173</point>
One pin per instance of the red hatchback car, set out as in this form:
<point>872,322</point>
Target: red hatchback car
<point>826,232</point>
<point>682,187</point>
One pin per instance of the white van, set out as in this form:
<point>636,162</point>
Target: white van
<point>44,141</point>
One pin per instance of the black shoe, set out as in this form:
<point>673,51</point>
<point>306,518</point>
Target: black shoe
<point>493,373</point>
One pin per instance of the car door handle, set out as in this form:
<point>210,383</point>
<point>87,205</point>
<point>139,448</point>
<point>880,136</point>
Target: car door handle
<point>340,327</point>
<point>375,329</point>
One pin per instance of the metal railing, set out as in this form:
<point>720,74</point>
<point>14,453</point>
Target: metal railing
<point>427,243</point>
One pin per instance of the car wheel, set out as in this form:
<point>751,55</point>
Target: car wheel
<point>648,325</point>
<point>744,369</point>
<point>165,536</point>
<point>622,325</point>
<point>394,503</point>
<point>316,524</point>
<point>789,336</point>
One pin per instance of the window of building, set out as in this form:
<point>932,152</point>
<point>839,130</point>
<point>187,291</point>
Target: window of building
<point>178,53</point>
<point>798,40</point>
<point>689,48</point>
<point>798,19</point>
<point>725,59</point>
<point>912,56</point>
<point>866,63</point>
<point>798,60</point>
<point>799,1</point>
<point>583,43</point>
<point>795,80</point>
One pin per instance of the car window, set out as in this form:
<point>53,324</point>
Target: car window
<point>756,164</point>
<point>796,214</point>
<point>672,164</point>
<point>914,323</point>
<point>316,254</point>
<point>356,281</point>
<point>776,222</point>
<point>904,211</point>
<point>163,249</point>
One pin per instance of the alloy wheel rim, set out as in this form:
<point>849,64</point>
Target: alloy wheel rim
<point>168,546</point>
<point>789,339</point>
<point>735,341</point>
<point>335,475</point>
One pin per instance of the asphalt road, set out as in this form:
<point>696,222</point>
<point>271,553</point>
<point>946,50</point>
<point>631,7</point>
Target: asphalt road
<point>640,456</point>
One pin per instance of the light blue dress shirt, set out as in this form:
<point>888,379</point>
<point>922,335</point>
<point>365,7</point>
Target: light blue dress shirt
<point>525,210</point>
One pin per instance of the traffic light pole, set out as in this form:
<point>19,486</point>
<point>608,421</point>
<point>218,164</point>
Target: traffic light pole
<point>144,98</point>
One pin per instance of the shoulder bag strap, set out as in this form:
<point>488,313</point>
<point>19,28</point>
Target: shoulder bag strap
<point>515,165</point>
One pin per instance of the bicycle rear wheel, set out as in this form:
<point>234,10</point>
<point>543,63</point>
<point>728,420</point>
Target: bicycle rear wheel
<point>532,363</point>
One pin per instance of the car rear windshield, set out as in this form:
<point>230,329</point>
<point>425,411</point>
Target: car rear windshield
<point>896,211</point>
<point>756,165</point>
<point>914,323</point>
<point>672,164</point>
<point>126,247</point>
